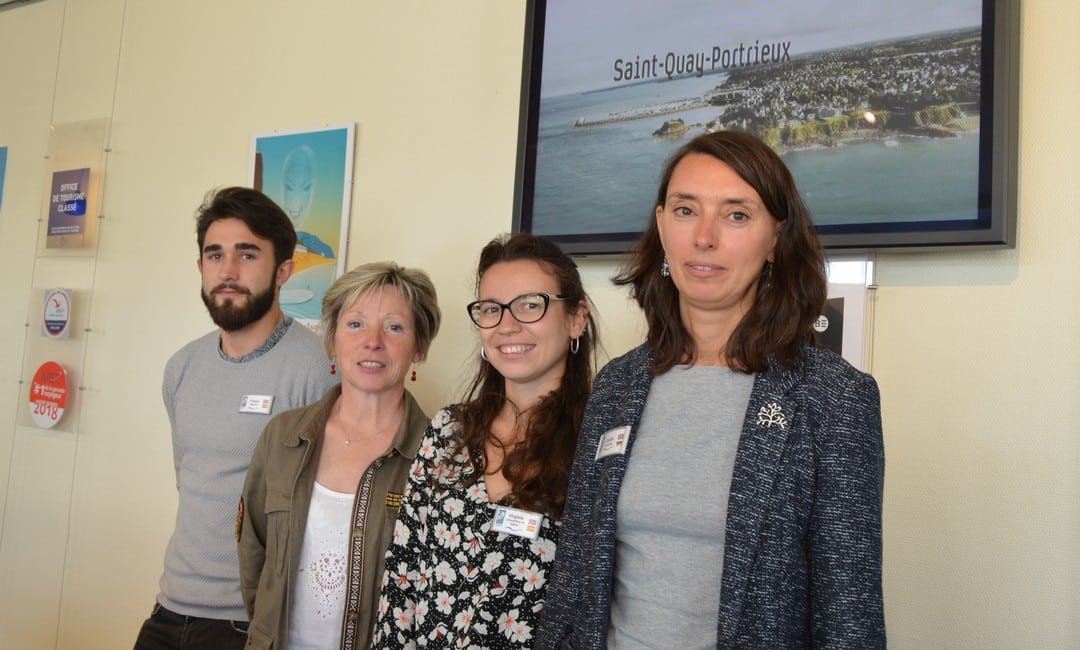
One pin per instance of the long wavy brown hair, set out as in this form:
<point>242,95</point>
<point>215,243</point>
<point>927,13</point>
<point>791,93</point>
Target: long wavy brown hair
<point>538,467</point>
<point>791,290</point>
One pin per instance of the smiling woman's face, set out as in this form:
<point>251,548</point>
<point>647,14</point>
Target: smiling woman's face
<point>531,355</point>
<point>375,341</point>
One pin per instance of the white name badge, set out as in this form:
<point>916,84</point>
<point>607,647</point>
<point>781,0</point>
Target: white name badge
<point>613,442</point>
<point>513,521</point>
<point>256,404</point>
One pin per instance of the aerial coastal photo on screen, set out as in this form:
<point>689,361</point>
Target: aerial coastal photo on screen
<point>879,121</point>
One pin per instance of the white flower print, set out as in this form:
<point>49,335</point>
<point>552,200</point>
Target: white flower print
<point>438,633</point>
<point>445,574</point>
<point>444,602</point>
<point>492,560</point>
<point>416,471</point>
<point>507,621</point>
<point>451,581</point>
<point>400,575</point>
<point>421,612</point>
<point>401,534</point>
<point>543,548</point>
<point>441,419</point>
<point>453,537</point>
<point>463,619</point>
<point>534,580</point>
<point>469,572</point>
<point>481,597</point>
<point>421,577</point>
<point>445,475</point>
<point>449,537</point>
<point>461,458</point>
<point>520,568</point>
<point>403,616</point>
<point>453,506</point>
<point>472,543</point>
<point>501,583</point>
<point>521,633</point>
<point>426,450</point>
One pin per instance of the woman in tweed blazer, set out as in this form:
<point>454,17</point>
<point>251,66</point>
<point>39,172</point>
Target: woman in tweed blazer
<point>730,275</point>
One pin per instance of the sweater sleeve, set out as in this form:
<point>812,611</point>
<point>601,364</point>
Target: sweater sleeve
<point>170,383</point>
<point>844,543</point>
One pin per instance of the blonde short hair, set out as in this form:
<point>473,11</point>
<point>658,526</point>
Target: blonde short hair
<point>413,285</point>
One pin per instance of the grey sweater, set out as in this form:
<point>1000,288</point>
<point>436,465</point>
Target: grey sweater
<point>212,445</point>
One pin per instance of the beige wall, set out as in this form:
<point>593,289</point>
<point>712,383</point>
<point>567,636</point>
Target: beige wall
<point>977,353</point>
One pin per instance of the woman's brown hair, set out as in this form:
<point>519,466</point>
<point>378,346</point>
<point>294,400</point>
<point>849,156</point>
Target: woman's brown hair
<point>790,291</point>
<point>538,468</point>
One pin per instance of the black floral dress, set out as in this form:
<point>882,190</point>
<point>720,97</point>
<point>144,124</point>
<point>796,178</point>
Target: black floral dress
<point>450,580</point>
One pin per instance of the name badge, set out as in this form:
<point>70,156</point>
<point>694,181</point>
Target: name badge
<point>513,521</point>
<point>613,442</point>
<point>256,404</point>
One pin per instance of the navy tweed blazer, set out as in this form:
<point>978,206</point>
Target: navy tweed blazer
<point>802,555</point>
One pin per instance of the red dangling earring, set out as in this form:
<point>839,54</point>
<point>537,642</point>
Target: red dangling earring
<point>333,366</point>
<point>413,375</point>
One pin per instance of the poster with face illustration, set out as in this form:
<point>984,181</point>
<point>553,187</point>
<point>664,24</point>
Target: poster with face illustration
<point>309,174</point>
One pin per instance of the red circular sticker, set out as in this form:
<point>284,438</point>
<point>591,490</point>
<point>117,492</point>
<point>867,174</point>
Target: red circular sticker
<point>48,394</point>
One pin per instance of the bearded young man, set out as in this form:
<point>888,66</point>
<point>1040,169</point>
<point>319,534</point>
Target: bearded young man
<point>220,391</point>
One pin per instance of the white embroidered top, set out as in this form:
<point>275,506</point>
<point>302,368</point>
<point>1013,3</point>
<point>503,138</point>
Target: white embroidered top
<point>319,598</point>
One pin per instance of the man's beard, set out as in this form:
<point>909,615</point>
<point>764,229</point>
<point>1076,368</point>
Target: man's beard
<point>229,317</point>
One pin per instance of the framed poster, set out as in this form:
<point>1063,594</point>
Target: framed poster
<point>72,190</point>
<point>309,174</point>
<point>67,208</point>
<point>898,120</point>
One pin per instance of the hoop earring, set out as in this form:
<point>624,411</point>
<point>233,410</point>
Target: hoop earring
<point>665,269</point>
<point>575,345</point>
<point>483,355</point>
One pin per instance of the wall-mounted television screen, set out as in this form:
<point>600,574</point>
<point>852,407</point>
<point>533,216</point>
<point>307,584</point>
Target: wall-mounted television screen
<point>897,119</point>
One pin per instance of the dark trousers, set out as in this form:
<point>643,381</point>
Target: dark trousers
<point>167,630</point>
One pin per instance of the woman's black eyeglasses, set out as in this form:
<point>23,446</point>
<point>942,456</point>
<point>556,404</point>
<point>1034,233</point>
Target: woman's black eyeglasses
<point>526,308</point>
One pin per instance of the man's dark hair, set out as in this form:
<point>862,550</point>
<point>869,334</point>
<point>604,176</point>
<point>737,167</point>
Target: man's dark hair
<point>260,214</point>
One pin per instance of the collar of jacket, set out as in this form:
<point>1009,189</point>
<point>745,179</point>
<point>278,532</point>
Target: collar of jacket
<point>309,430</point>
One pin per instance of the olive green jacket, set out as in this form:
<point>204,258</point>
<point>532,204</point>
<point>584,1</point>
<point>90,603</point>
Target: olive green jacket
<point>273,513</point>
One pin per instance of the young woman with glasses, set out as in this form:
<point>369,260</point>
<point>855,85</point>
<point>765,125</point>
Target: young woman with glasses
<point>480,515</point>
